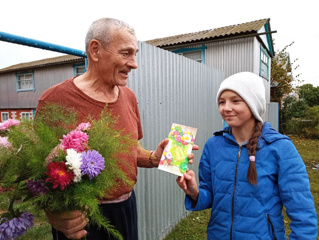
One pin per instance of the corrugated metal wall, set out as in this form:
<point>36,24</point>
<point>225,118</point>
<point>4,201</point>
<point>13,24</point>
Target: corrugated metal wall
<point>231,56</point>
<point>170,89</point>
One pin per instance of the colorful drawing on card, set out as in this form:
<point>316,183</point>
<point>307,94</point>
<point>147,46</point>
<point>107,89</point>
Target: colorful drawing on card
<point>175,155</point>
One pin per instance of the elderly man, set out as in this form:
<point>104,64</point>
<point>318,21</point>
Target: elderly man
<point>111,47</point>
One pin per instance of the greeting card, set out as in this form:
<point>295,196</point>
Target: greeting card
<point>175,155</point>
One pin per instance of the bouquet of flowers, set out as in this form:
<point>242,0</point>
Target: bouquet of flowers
<point>59,167</point>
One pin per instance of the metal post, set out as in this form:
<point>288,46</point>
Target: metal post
<point>40,44</point>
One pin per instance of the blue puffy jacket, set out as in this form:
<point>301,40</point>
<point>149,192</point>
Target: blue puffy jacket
<point>244,211</point>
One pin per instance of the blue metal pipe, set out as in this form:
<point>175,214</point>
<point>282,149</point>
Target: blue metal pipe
<point>40,44</point>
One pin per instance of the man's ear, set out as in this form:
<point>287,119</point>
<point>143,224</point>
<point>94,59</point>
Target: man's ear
<point>94,49</point>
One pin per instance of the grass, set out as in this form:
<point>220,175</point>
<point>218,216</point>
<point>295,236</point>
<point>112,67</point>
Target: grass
<point>194,226</point>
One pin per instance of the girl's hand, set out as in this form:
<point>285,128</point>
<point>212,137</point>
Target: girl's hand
<point>188,183</point>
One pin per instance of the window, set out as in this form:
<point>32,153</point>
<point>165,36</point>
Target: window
<point>25,115</point>
<point>264,63</point>
<point>78,69</point>
<point>25,81</point>
<point>197,54</point>
<point>4,116</point>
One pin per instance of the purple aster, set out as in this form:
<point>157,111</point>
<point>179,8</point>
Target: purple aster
<point>5,231</point>
<point>37,187</point>
<point>92,163</point>
<point>16,227</point>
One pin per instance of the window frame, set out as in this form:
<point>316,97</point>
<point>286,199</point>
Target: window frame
<point>264,61</point>
<point>180,51</point>
<point>17,81</point>
<point>29,114</point>
<point>77,66</point>
<point>2,114</point>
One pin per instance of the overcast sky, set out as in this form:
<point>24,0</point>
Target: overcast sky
<point>66,22</point>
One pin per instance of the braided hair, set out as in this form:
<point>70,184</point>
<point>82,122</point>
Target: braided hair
<point>252,148</point>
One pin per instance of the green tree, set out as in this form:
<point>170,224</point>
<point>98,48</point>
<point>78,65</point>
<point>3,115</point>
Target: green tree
<point>292,109</point>
<point>310,124</point>
<point>310,94</point>
<point>282,74</point>
<point>301,115</point>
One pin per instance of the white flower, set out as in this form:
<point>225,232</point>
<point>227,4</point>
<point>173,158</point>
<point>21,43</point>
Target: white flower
<point>187,137</point>
<point>73,160</point>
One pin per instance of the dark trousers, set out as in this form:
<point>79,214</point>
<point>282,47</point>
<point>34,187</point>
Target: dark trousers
<point>123,216</point>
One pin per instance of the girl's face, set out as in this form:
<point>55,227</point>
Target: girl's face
<point>234,110</point>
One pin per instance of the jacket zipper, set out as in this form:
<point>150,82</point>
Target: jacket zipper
<point>272,227</point>
<point>233,199</point>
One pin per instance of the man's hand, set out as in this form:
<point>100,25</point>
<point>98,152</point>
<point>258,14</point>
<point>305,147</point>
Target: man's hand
<point>157,154</point>
<point>71,224</point>
<point>144,157</point>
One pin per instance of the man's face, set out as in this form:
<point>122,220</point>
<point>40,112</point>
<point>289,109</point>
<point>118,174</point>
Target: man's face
<point>118,58</point>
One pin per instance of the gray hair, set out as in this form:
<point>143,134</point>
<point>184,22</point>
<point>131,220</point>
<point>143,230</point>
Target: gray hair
<point>101,30</point>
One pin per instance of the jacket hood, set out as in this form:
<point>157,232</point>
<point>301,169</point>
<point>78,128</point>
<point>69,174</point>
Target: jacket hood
<point>268,135</point>
<point>271,135</point>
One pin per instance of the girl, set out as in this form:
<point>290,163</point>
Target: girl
<point>248,172</point>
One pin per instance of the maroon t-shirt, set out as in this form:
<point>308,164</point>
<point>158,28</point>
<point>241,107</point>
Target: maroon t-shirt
<point>125,107</point>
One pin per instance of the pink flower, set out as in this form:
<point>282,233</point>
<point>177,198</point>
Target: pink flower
<point>54,153</point>
<point>8,123</point>
<point>175,133</point>
<point>178,138</point>
<point>4,142</point>
<point>84,127</point>
<point>75,139</point>
<point>168,155</point>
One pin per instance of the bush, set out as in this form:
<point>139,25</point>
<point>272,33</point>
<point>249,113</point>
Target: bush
<point>307,127</point>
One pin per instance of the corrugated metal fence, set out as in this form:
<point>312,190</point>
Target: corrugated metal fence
<point>170,89</point>
<point>274,115</point>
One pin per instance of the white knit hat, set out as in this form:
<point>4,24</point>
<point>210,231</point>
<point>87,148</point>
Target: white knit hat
<point>249,87</point>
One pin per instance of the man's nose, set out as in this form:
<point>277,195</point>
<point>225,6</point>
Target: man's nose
<point>132,62</point>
